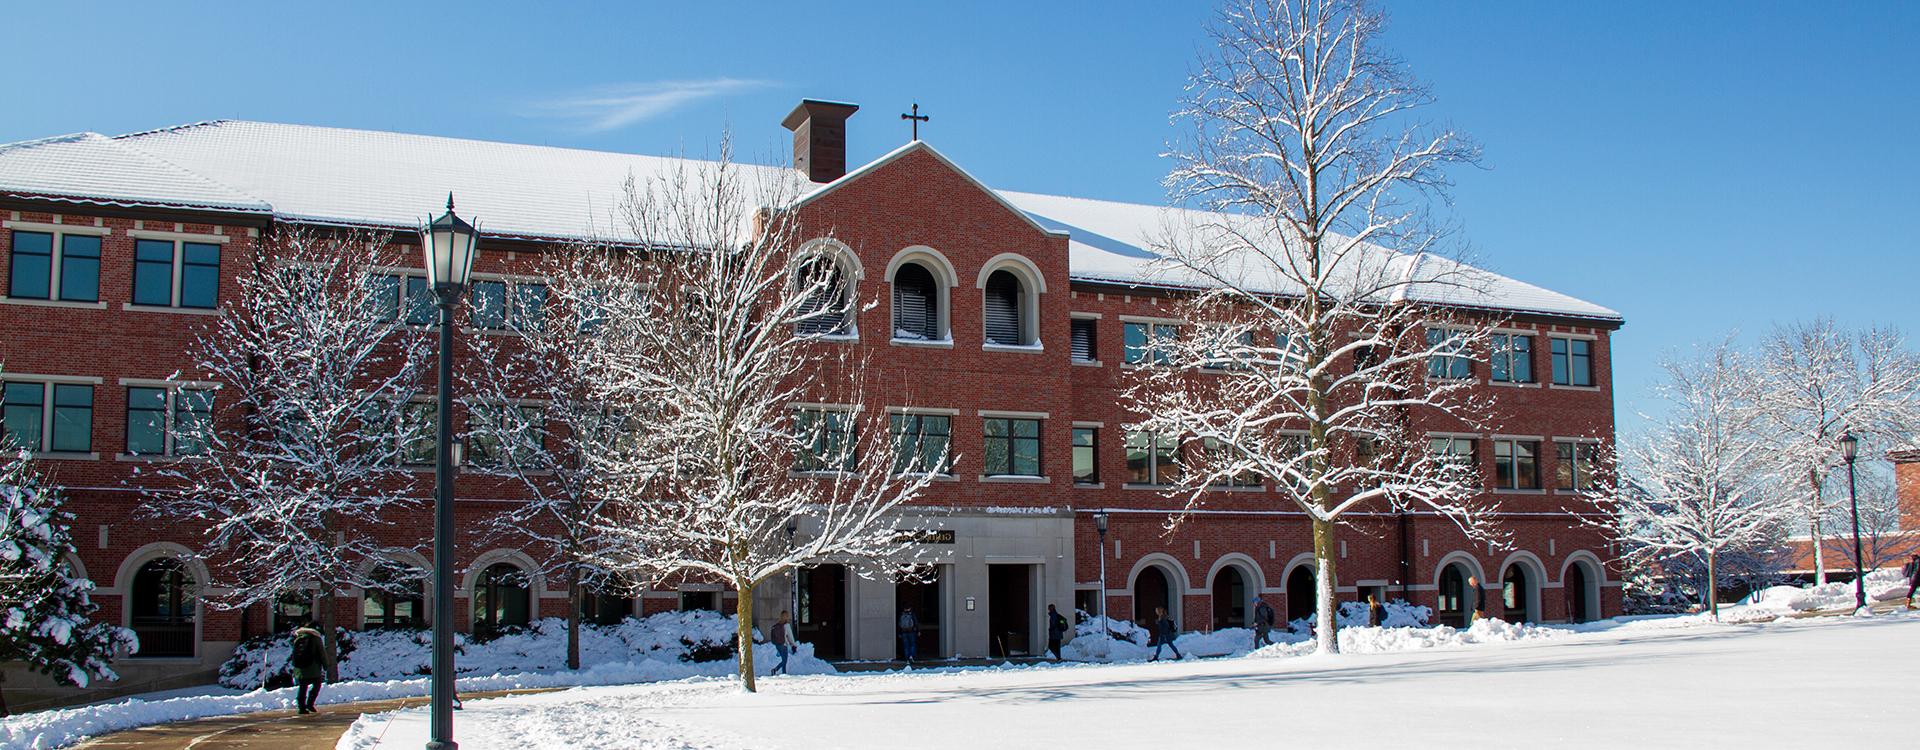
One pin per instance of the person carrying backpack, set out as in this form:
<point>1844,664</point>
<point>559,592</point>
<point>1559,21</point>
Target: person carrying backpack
<point>909,635</point>
<point>309,663</point>
<point>1913,578</point>
<point>1262,623</point>
<point>782,638</point>
<point>1164,631</point>
<point>1056,630</point>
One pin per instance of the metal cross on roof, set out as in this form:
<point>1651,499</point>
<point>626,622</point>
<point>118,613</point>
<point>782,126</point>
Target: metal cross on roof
<point>917,118</point>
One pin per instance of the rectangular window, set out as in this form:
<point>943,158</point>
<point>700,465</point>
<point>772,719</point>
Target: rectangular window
<point>152,272</point>
<point>1012,447</point>
<point>1152,459</point>
<point>529,306</point>
<point>422,307</point>
<point>494,438</point>
<point>32,266</point>
<point>1516,465</point>
<point>1573,465</point>
<point>920,442</point>
<point>199,275</point>
<point>825,439</point>
<point>1572,361</point>
<point>1457,450</point>
<point>1218,453</point>
<point>385,295</point>
<point>419,423</point>
<point>24,416</point>
<point>500,305</point>
<point>1086,455</point>
<point>1084,342</point>
<point>1449,360</point>
<point>72,428</point>
<point>1512,358</point>
<point>489,299</point>
<point>1147,340</point>
<point>168,421</point>
<point>80,267</point>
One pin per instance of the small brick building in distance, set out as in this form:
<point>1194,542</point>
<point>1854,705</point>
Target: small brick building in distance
<point>116,249</point>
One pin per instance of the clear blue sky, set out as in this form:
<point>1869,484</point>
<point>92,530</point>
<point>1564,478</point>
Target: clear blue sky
<point>1699,166</point>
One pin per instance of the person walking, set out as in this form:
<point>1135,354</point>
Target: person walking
<point>1913,578</point>
<point>1056,630</point>
<point>309,662</point>
<point>1473,600</point>
<point>782,638</point>
<point>1262,623</point>
<point>1164,631</point>
<point>909,634</point>
<point>1376,612</point>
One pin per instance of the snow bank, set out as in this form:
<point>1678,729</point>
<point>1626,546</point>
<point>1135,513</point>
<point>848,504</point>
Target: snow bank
<point>1882,585</point>
<point>1369,640</point>
<point>652,649</point>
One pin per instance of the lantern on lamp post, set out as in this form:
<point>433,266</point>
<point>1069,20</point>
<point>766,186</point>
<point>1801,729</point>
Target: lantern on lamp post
<point>448,245</point>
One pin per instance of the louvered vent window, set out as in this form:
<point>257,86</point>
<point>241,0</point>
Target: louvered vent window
<point>916,311</point>
<point>1003,309</point>
<point>1083,341</point>
<point>823,312</point>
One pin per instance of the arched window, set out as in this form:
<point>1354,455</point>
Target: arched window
<point>500,599</point>
<point>1230,598</point>
<point>1005,310</point>
<point>1454,598</point>
<point>162,608</point>
<point>916,304</point>
<point>1516,594</point>
<point>397,598</point>
<point>826,305</point>
<point>1302,599</point>
<point>1582,588</point>
<point>1152,590</point>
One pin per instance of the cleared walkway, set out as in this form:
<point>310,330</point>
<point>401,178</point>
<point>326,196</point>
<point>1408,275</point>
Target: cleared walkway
<point>265,730</point>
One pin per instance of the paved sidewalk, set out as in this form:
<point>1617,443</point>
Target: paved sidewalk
<point>265,730</point>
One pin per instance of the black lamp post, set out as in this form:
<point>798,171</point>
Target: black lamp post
<point>1849,449</point>
<point>448,246</point>
<point>1100,525</point>
<point>793,585</point>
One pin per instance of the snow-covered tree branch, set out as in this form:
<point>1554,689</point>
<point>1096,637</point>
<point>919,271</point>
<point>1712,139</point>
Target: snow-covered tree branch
<point>312,425</point>
<point>715,343</point>
<point>1321,349</point>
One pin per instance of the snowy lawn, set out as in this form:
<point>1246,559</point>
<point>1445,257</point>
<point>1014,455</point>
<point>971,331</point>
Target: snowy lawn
<point>1670,682</point>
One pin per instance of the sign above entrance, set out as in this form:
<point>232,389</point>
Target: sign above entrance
<point>925,536</point>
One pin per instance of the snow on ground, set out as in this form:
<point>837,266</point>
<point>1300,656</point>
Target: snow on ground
<point>1886,584</point>
<point>1825,682</point>
<point>387,665</point>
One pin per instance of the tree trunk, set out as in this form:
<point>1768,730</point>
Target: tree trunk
<point>1713,584</point>
<point>1325,618</point>
<point>1819,559</point>
<point>3,696</point>
<point>743,609</point>
<point>573,616</point>
<point>328,633</point>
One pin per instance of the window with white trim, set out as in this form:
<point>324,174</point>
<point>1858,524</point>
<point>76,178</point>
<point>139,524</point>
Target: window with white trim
<point>170,273</point>
<point>1085,340</point>
<point>54,266</point>
<point>1006,310</point>
<point>1574,464</point>
<point>1086,455</point>
<point>168,420</point>
<point>1448,359</point>
<point>507,305</point>
<point>1152,458</point>
<point>1456,450</point>
<point>504,434</point>
<point>47,417</point>
<point>1516,464</point>
<point>1512,360</point>
<point>824,439</point>
<point>826,304</point>
<point>1572,361</point>
<point>916,304</point>
<point>1144,342</point>
<point>1012,447</point>
<point>921,443</point>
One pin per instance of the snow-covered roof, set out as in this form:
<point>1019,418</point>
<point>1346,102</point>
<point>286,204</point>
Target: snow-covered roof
<point>360,177</point>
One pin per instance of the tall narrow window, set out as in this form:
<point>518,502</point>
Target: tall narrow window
<point>1084,340</point>
<point>24,415</point>
<point>147,421</point>
<point>80,268</point>
<point>72,418</point>
<point>418,420</point>
<point>1516,465</point>
<point>1086,455</point>
<point>1572,361</point>
<point>916,304</point>
<point>421,304</point>
<point>152,272</point>
<point>920,442</point>
<point>385,296</point>
<point>31,276</point>
<point>1004,299</point>
<point>1448,360</point>
<point>1012,447</point>
<point>199,275</point>
<point>1512,358</point>
<point>489,305</point>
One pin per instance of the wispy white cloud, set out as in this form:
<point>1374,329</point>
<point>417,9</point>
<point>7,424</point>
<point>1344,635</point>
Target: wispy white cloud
<point>617,106</point>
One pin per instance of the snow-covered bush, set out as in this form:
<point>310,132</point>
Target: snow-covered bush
<point>666,639</point>
<point>1400,614</point>
<point>44,607</point>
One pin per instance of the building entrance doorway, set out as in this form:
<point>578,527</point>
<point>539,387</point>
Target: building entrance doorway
<point>1230,598</point>
<point>1010,610</point>
<point>924,589</point>
<point>1301,596</point>
<point>1453,596</point>
<point>1152,590</point>
<point>1516,594</point>
<point>822,604</point>
<point>1575,585</point>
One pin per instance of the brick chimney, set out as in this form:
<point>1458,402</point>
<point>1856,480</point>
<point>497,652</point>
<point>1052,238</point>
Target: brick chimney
<point>820,138</point>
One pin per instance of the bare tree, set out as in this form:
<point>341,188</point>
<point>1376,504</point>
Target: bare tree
<point>306,443</point>
<point>1820,382</point>
<point>710,344</point>
<point>45,606</point>
<point>540,419</point>
<point>1320,275</point>
<point>1694,487</point>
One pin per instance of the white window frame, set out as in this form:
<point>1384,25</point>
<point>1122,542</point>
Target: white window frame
<point>178,239</point>
<point>56,258</point>
<point>46,383</point>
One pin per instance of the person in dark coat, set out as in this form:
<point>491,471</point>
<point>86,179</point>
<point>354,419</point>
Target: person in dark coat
<point>909,626</point>
<point>1376,612</point>
<point>1056,630</point>
<point>1262,623</point>
<point>1164,631</point>
<point>782,638</point>
<point>309,662</point>
<point>1913,578</point>
<point>1474,595</point>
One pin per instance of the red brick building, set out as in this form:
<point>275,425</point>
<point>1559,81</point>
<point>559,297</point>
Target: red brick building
<point>116,248</point>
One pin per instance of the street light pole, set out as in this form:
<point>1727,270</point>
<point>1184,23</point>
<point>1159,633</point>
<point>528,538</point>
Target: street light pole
<point>1100,524</point>
<point>449,249</point>
<point>1849,449</point>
